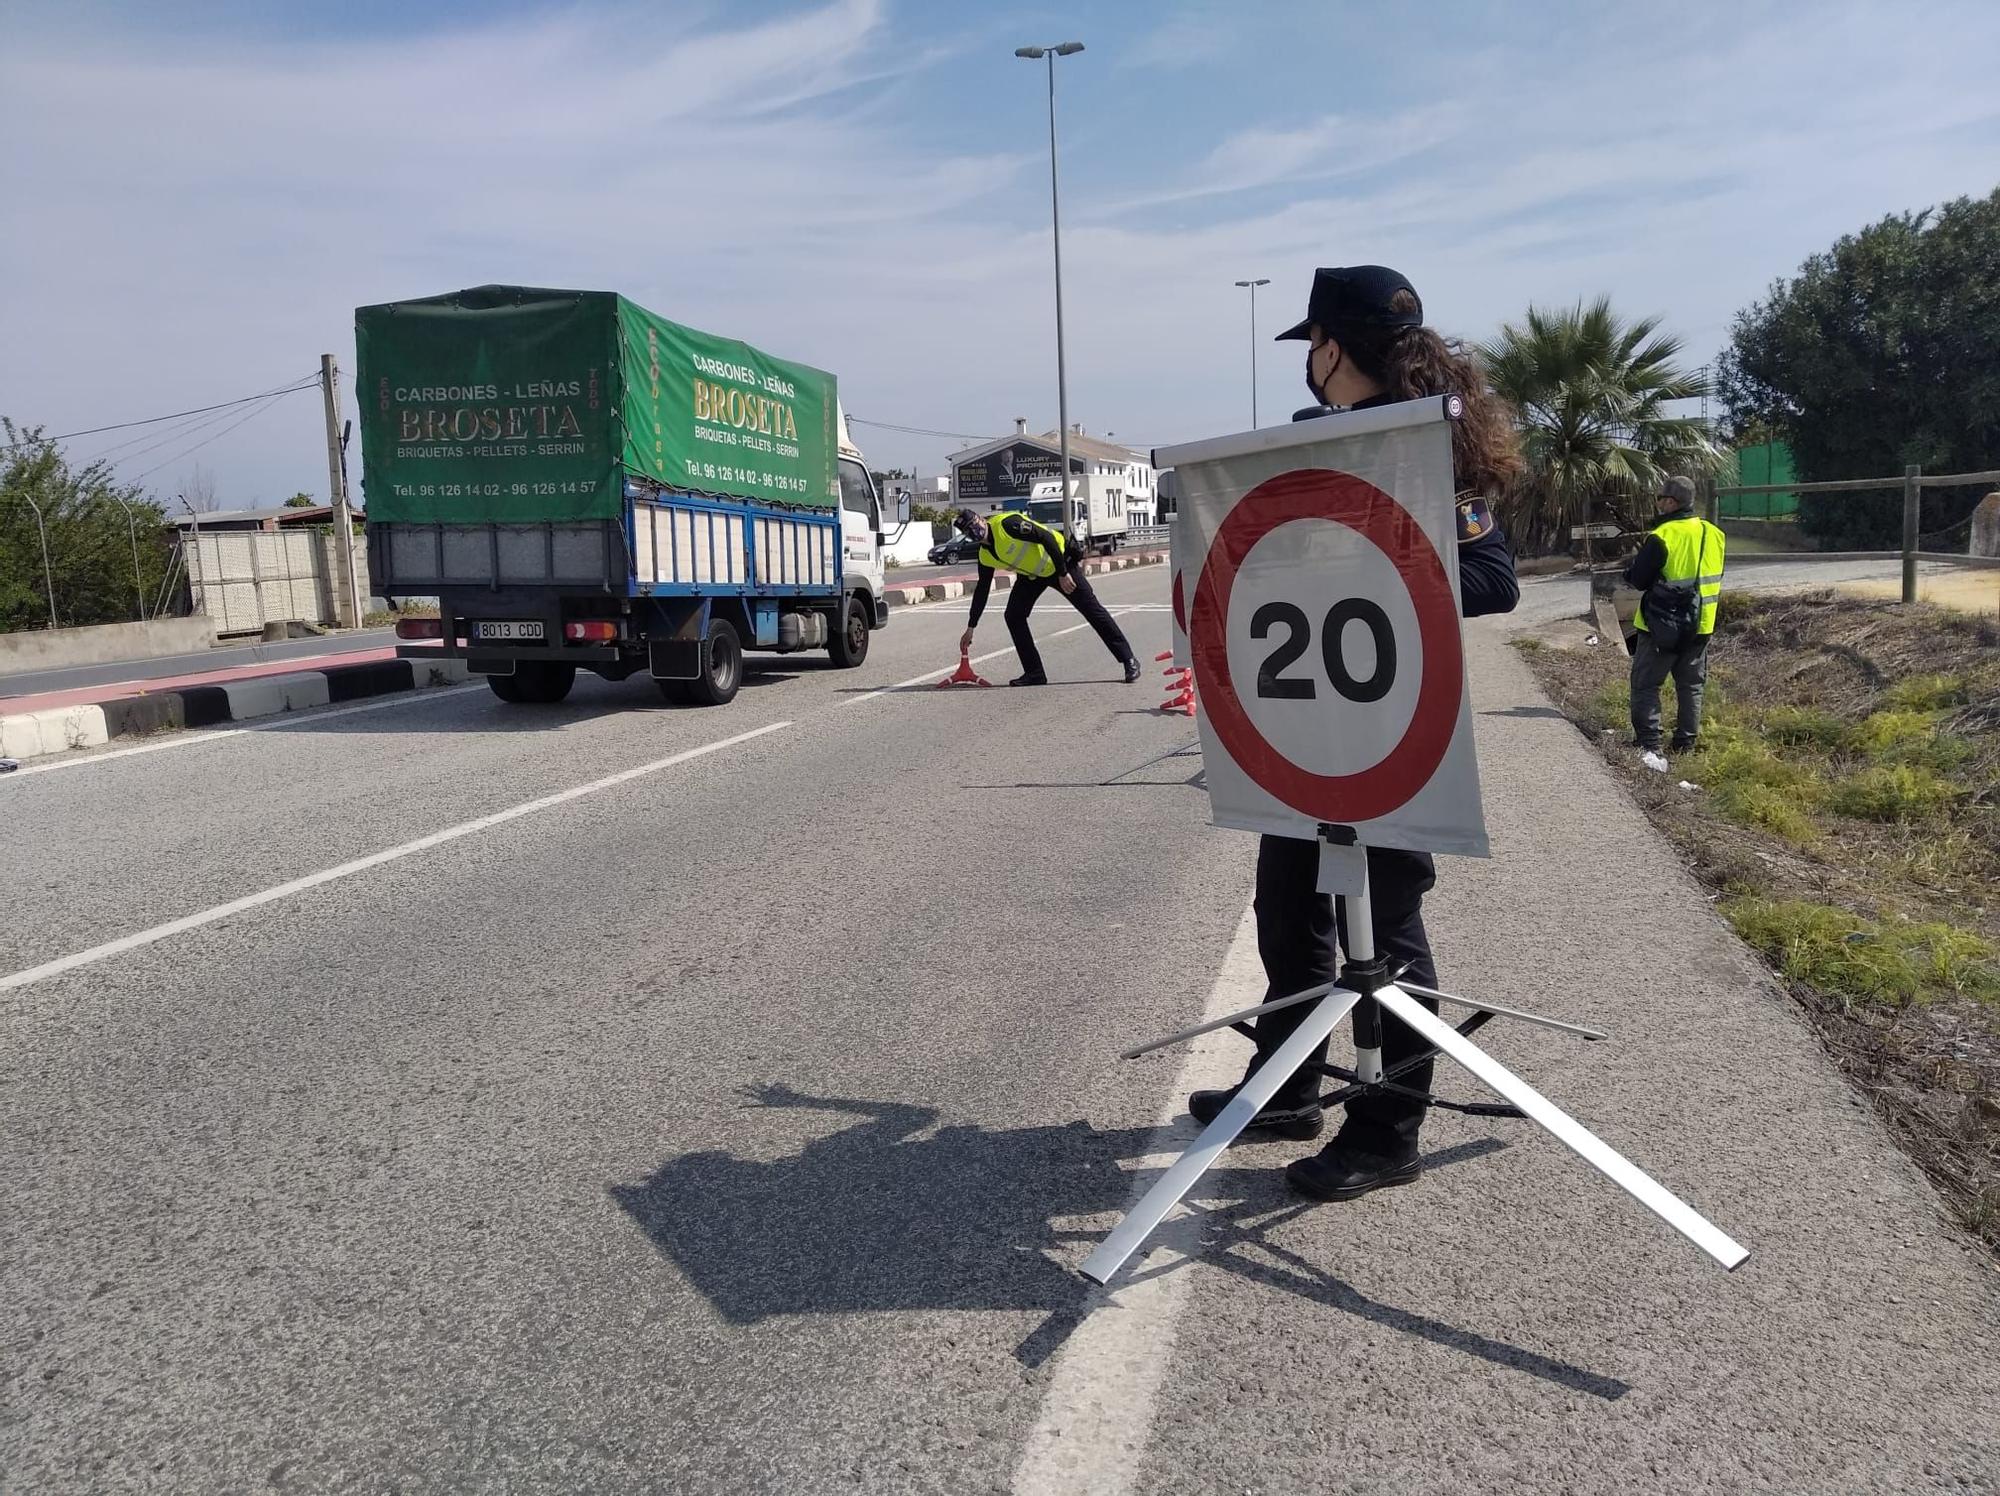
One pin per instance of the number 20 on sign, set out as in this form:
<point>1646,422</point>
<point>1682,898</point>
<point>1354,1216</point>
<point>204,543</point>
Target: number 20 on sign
<point>1325,632</point>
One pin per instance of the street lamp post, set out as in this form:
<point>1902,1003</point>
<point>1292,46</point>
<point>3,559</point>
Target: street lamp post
<point>48,576</point>
<point>1062,49</point>
<point>138,578</point>
<point>1253,285</point>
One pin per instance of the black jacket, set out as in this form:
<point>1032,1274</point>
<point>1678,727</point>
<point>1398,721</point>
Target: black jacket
<point>1486,580</point>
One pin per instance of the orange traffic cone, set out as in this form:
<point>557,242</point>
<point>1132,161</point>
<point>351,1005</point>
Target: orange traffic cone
<point>964,675</point>
<point>1180,680</point>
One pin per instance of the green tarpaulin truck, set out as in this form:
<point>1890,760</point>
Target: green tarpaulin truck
<point>584,485</point>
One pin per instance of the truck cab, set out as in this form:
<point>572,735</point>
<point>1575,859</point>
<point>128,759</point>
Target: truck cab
<point>864,530</point>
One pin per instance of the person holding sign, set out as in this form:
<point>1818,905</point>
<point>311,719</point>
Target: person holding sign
<point>1369,347</point>
<point>1039,557</point>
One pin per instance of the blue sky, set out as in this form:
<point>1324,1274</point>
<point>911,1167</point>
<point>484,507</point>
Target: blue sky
<point>199,195</point>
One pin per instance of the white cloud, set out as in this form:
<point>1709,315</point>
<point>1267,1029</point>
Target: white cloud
<point>1188,39</point>
<point>203,221</point>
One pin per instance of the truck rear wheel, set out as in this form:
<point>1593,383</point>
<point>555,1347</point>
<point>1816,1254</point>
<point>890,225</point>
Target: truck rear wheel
<point>849,644</point>
<point>722,667</point>
<point>541,682</point>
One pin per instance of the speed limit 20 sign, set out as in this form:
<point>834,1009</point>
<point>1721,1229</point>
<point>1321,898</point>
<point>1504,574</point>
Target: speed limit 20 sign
<point>1323,620</point>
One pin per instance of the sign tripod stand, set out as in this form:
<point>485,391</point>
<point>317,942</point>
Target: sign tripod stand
<point>1366,989</point>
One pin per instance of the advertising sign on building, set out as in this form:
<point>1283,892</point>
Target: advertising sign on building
<point>1011,473</point>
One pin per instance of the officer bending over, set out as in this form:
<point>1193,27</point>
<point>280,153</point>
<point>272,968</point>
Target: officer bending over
<point>1039,557</point>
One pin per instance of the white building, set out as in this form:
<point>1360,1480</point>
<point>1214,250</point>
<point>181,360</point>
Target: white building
<point>913,546</point>
<point>1002,473</point>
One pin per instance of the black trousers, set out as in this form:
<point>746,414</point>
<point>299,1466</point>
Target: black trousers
<point>1297,931</point>
<point>1021,602</point>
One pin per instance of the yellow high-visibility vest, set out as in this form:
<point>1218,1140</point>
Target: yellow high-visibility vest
<point>1031,558</point>
<point>1694,563</point>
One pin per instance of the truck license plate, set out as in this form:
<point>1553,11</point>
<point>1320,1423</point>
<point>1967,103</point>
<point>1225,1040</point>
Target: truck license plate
<point>491,630</point>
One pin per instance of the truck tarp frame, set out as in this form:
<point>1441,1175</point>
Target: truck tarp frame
<point>512,404</point>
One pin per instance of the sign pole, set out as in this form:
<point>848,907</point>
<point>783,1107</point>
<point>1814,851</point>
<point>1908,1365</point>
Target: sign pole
<point>1346,520</point>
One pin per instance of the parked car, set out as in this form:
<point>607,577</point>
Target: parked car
<point>958,548</point>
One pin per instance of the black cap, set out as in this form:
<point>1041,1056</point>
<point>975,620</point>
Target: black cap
<point>1356,296</point>
<point>964,520</point>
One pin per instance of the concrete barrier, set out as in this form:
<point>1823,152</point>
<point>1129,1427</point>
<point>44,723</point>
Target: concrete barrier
<point>63,729</point>
<point>103,644</point>
<point>133,716</point>
<point>427,673</point>
<point>265,695</point>
<point>940,592</point>
<point>1985,539</point>
<point>55,729</point>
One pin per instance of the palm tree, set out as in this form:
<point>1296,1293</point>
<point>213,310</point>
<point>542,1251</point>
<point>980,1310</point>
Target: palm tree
<point>1591,393</point>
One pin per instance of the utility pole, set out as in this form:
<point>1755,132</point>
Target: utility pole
<point>346,585</point>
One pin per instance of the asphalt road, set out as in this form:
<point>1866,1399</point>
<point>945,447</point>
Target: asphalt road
<point>441,1095</point>
<point>34,682</point>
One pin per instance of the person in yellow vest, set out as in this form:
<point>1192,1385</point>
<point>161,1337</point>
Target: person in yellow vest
<point>1040,557</point>
<point>1678,573</point>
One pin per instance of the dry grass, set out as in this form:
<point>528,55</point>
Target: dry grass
<point>1849,812</point>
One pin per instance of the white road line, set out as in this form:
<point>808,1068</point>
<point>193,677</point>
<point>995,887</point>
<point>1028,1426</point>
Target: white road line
<point>939,672</point>
<point>361,864</point>
<point>288,719</point>
<point>1097,1414</point>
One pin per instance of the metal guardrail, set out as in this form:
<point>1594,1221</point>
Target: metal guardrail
<point>1149,534</point>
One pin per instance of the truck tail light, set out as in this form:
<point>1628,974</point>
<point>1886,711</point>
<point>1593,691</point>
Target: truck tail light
<point>590,631</point>
<point>419,628</point>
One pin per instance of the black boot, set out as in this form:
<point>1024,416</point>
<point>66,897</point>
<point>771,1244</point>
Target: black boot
<point>1299,1118</point>
<point>1346,1170</point>
<point>1131,671</point>
<point>1033,678</point>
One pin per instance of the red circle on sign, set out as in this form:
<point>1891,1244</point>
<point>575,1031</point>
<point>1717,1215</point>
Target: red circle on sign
<point>1180,604</point>
<point>1386,786</point>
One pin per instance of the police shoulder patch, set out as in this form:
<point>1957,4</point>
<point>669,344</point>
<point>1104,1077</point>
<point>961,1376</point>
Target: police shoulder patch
<point>1475,518</point>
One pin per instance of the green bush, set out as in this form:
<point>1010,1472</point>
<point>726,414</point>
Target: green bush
<point>1926,693</point>
<point>1892,792</point>
<point>1777,811</point>
<point>1851,958</point>
<point>1610,707</point>
<point>92,522</point>
<point>1804,727</point>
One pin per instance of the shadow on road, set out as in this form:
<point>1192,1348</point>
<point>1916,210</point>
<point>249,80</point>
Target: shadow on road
<point>888,1215</point>
<point>1124,779</point>
<point>1527,711</point>
<point>590,698</point>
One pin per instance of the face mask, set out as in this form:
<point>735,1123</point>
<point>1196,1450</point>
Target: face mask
<point>1319,396</point>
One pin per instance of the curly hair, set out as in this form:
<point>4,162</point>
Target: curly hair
<point>1413,362</point>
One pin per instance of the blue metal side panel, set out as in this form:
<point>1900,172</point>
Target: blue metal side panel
<point>753,568</point>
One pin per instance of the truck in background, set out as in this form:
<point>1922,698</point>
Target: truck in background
<point>1096,516</point>
<point>584,485</point>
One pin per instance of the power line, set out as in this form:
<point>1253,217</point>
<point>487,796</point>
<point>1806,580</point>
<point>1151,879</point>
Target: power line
<point>153,437</point>
<point>309,380</point>
<point>155,440</point>
<point>190,451</point>
<point>965,436</point>
<point>972,437</point>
